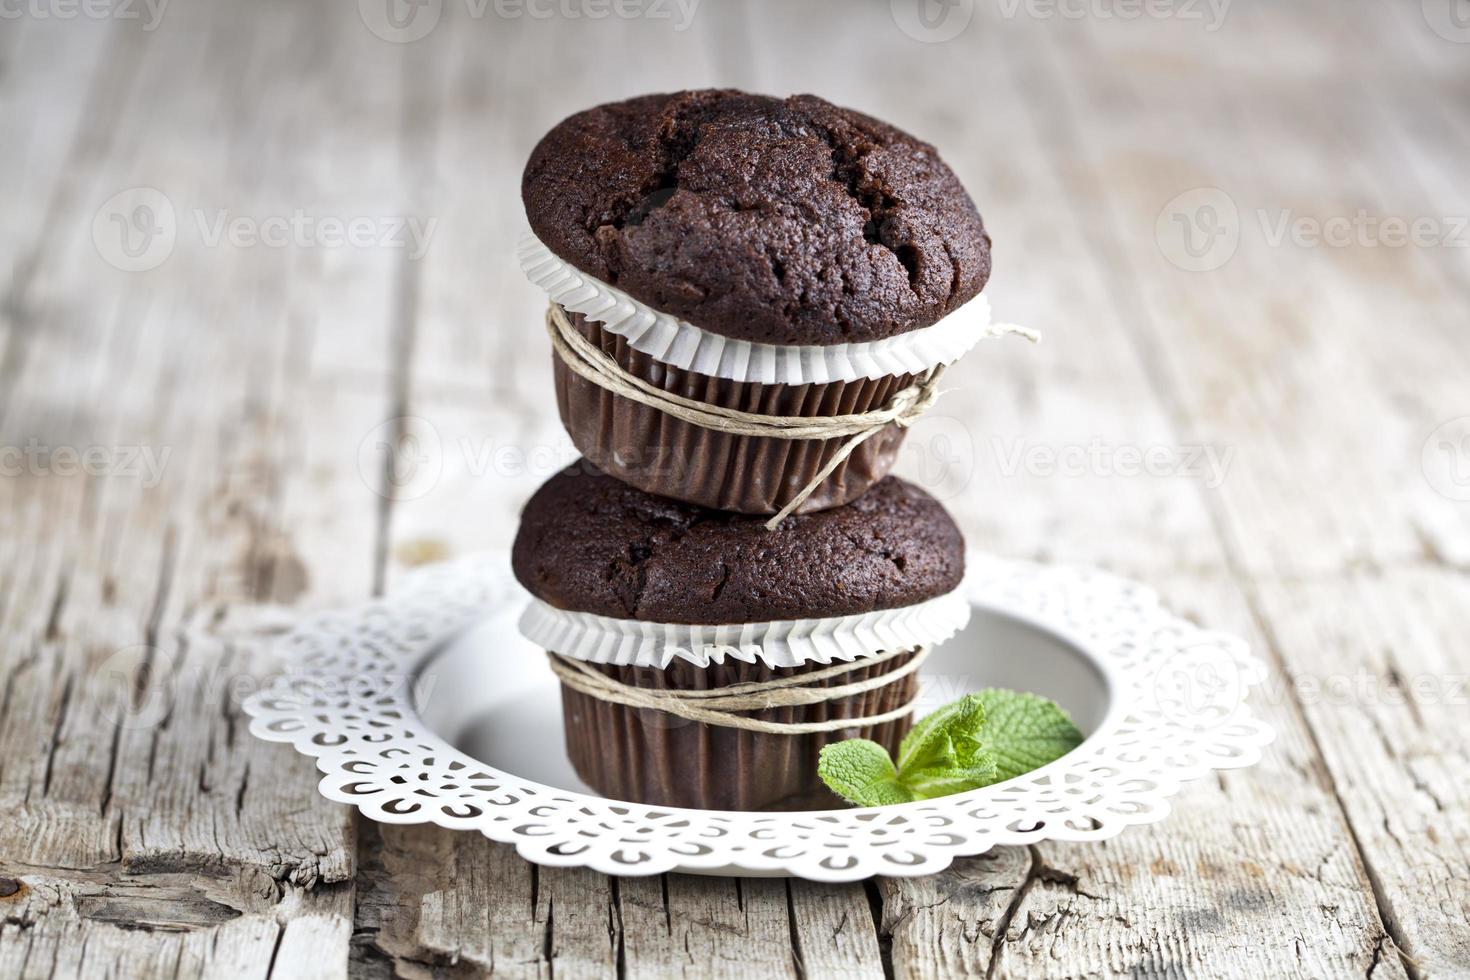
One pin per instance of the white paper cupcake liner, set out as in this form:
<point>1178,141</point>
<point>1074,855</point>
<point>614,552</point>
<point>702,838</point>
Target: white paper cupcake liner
<point>779,643</point>
<point>683,345</point>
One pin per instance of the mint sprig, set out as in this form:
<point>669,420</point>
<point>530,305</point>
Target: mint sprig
<point>978,740</point>
<point>1025,731</point>
<point>860,771</point>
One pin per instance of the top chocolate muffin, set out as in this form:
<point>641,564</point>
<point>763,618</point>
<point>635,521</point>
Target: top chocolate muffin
<point>781,221</point>
<point>590,543</point>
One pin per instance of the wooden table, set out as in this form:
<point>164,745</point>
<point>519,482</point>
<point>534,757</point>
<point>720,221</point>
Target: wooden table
<point>191,453</point>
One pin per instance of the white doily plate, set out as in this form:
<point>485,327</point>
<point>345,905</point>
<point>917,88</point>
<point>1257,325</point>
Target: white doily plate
<point>427,707</point>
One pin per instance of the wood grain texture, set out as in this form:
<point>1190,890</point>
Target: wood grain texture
<point>146,833</point>
<point>1319,499</point>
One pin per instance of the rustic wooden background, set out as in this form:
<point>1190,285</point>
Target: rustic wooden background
<point>143,832</point>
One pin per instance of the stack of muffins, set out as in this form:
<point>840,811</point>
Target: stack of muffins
<point>750,299</point>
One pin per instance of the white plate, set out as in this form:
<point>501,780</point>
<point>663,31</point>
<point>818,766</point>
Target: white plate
<point>428,707</point>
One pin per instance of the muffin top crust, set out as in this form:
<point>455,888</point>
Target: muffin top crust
<point>780,221</point>
<point>590,543</point>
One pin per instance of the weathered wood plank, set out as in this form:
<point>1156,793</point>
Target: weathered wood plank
<point>687,926</point>
<point>61,84</point>
<point>950,924</point>
<point>149,834</point>
<point>1322,396</point>
<point>431,898</point>
<point>1387,691</point>
<point>833,930</point>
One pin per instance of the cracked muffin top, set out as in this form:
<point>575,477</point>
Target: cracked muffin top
<point>781,221</point>
<point>590,543</point>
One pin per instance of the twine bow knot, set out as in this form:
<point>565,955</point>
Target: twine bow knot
<point>587,360</point>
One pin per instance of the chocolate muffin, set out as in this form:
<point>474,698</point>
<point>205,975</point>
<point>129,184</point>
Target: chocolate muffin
<point>785,257</point>
<point>626,583</point>
<point>784,221</point>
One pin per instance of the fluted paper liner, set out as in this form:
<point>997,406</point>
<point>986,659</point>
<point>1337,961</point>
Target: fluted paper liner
<point>680,344</point>
<point>775,644</point>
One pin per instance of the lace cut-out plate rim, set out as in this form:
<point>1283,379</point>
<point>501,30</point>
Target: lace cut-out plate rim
<point>1177,709</point>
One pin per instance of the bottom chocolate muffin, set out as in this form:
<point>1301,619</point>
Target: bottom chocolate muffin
<point>654,757</point>
<point>637,594</point>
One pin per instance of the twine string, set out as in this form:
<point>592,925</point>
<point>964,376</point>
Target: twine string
<point>587,360</point>
<point>719,706</point>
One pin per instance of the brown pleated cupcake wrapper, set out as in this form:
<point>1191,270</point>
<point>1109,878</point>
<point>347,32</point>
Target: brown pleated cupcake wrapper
<point>648,756</point>
<point>752,475</point>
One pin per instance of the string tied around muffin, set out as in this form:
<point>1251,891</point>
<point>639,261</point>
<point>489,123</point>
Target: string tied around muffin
<point>723,706</point>
<point>903,408</point>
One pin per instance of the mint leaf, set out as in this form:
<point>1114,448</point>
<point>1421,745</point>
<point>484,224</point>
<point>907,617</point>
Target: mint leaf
<point>926,784</point>
<point>944,753</point>
<point>860,771</point>
<point>978,740</point>
<point>1024,731</point>
<point>946,738</point>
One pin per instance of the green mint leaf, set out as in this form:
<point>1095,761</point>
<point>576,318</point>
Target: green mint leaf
<point>947,738</point>
<point>1024,731</point>
<point>978,740</point>
<point>926,784</point>
<point>860,771</point>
